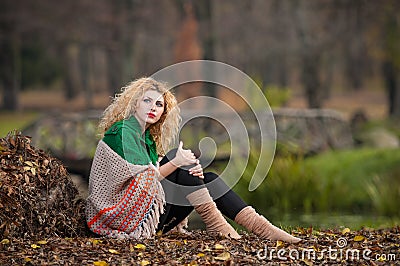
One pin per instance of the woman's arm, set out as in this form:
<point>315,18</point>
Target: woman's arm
<point>182,158</point>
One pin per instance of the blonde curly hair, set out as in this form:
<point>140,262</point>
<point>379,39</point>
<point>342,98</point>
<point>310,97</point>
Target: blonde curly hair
<point>124,104</point>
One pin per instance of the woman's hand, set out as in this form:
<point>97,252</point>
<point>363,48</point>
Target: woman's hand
<point>197,171</point>
<point>184,157</point>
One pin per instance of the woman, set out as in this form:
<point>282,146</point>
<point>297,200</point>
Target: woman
<point>126,198</point>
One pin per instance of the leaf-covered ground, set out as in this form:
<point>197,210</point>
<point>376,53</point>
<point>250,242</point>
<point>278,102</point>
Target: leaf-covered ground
<point>341,247</point>
<point>42,223</point>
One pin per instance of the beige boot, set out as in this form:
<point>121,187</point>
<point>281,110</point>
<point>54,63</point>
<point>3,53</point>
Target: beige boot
<point>208,211</point>
<point>260,226</point>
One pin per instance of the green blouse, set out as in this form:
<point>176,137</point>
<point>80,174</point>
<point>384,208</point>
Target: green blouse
<point>126,139</point>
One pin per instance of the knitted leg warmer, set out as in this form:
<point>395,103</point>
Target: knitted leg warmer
<point>260,226</point>
<point>208,211</point>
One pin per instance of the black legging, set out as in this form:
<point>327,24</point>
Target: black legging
<point>230,204</point>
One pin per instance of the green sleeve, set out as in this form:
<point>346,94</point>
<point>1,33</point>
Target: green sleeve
<point>127,143</point>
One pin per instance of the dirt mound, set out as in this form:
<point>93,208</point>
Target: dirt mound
<point>37,197</point>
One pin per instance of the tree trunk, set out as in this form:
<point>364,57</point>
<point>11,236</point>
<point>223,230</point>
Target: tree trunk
<point>311,79</point>
<point>11,74</point>
<point>84,58</point>
<point>70,89</point>
<point>114,71</point>
<point>391,77</point>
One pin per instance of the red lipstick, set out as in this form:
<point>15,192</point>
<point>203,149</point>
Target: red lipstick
<point>151,115</point>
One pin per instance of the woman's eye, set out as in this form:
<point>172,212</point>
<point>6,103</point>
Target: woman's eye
<point>159,104</point>
<point>147,100</point>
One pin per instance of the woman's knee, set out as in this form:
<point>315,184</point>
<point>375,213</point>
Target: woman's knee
<point>168,157</point>
<point>209,177</point>
<point>186,179</point>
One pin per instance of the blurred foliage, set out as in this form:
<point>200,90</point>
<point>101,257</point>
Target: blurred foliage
<point>391,124</point>
<point>10,121</point>
<point>358,181</point>
<point>38,66</point>
<point>384,192</point>
<point>277,96</point>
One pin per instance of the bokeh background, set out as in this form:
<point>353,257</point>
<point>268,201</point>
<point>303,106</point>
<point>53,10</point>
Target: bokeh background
<point>329,68</point>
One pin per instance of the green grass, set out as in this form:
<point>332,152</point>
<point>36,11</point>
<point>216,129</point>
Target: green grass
<point>352,183</point>
<point>10,121</point>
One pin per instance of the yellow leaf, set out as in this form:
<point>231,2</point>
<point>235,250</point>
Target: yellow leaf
<point>96,241</point>
<point>223,256</point>
<point>42,242</point>
<point>113,251</point>
<point>199,255</point>
<point>359,238</point>
<point>279,244</point>
<point>307,262</point>
<point>27,259</point>
<point>207,249</point>
<point>100,263</point>
<point>140,246</point>
<point>35,246</point>
<point>144,262</point>
<point>219,246</point>
<point>27,168</point>
<point>29,163</point>
<point>5,241</point>
<point>185,241</point>
<point>345,231</point>
<point>381,258</point>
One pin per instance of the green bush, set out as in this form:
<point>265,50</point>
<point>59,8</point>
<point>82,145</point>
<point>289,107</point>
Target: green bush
<point>277,96</point>
<point>348,182</point>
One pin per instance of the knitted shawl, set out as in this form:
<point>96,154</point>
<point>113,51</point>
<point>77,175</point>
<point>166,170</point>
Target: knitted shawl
<point>125,200</point>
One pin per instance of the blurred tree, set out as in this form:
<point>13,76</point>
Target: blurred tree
<point>391,60</point>
<point>102,45</point>
<point>187,47</point>
<point>10,52</point>
<point>314,22</point>
<point>355,54</point>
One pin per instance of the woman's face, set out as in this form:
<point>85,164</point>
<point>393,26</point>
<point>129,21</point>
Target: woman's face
<point>150,108</point>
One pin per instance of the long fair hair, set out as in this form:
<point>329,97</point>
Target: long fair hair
<point>124,104</point>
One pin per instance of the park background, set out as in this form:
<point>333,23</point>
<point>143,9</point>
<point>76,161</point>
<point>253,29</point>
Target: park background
<point>59,57</point>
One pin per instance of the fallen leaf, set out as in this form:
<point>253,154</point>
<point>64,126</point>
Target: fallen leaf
<point>144,262</point>
<point>307,262</point>
<point>35,246</point>
<point>42,242</point>
<point>199,255</point>
<point>223,256</point>
<point>359,238</point>
<point>113,251</point>
<point>29,163</point>
<point>96,241</point>
<point>100,263</point>
<point>140,246</point>
<point>219,246</point>
<point>345,231</point>
<point>5,241</point>
<point>279,244</point>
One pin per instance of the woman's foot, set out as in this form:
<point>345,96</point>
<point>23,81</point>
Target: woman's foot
<point>260,226</point>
